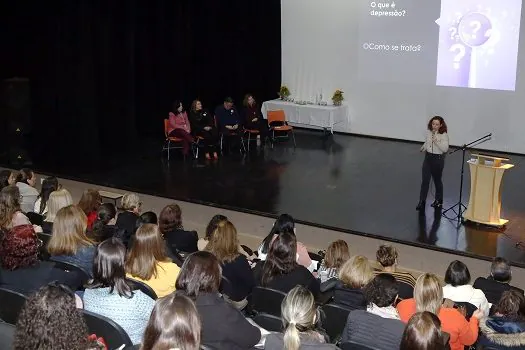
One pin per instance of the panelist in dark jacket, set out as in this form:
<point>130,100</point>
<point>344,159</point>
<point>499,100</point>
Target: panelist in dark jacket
<point>203,125</point>
<point>230,123</point>
<point>252,117</point>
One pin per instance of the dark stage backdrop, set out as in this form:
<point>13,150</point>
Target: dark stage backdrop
<point>104,73</point>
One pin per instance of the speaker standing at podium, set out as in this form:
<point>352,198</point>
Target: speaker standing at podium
<point>435,148</point>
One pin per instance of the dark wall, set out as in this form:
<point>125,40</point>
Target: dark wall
<point>104,73</point>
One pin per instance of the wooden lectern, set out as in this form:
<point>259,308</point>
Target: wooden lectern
<point>484,204</point>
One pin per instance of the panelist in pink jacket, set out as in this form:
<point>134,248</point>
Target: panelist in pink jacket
<point>180,126</point>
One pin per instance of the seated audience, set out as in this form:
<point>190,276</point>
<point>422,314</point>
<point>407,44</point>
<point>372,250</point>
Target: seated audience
<point>286,223</point>
<point>203,125</point>
<point>387,258</point>
<point>10,213</point>
<point>49,185</point>
<point>223,326</point>
<point>280,270</point>
<point>57,200</point>
<point>170,224</point>
<point>300,316</point>
<point>109,295</point>
<point>428,296</point>
<point>50,320</point>
<point>25,182</point>
<point>148,217</point>
<point>104,225</point>
<point>378,326</point>
<point>127,219</point>
<point>20,268</point>
<point>235,267</point>
<point>148,262</point>
<point>505,330</point>
<point>212,225</point>
<point>89,203</point>
<point>252,117</point>
<point>458,289</point>
<point>174,324</point>
<point>180,126</point>
<point>229,122</point>
<point>498,282</point>
<point>423,332</point>
<point>336,255</point>
<point>69,242</point>
<point>354,275</point>
<point>7,178</point>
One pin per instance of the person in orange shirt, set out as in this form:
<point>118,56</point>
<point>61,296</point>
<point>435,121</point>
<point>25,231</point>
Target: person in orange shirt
<point>428,296</point>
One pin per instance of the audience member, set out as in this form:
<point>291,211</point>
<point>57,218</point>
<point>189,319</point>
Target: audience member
<point>69,242</point>
<point>108,294</point>
<point>505,330</point>
<point>104,225</point>
<point>423,332</point>
<point>229,122</point>
<point>89,203</point>
<point>300,316</point>
<point>458,289</point>
<point>223,326</point>
<point>49,185</point>
<point>252,117</point>
<point>180,126</point>
<point>174,324</point>
<point>10,212</point>
<point>498,282</point>
<point>7,178</point>
<point>354,275</point>
<point>203,125</point>
<point>50,320</point>
<point>127,219</point>
<point>280,270</point>
<point>148,217</point>
<point>378,326</point>
<point>148,262</point>
<point>336,255</point>
<point>210,228</point>
<point>25,182</point>
<point>170,224</point>
<point>224,245</point>
<point>21,270</point>
<point>387,258</point>
<point>57,200</point>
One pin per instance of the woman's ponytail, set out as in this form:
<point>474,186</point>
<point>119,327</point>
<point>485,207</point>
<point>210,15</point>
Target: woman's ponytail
<point>292,341</point>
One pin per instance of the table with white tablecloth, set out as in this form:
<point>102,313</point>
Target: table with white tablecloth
<point>315,115</point>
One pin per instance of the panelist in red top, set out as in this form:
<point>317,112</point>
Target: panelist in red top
<point>180,126</point>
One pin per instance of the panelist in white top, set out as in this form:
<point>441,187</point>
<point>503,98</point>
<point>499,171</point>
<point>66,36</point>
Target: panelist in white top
<point>435,148</point>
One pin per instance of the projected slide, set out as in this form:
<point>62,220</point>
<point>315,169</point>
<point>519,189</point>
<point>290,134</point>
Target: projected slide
<point>459,43</point>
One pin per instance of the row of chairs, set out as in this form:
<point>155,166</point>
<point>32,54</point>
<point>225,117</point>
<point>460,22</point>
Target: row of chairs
<point>276,123</point>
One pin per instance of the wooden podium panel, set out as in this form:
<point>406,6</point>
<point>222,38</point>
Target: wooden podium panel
<point>486,174</point>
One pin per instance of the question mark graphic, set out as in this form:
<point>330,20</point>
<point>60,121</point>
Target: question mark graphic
<point>404,12</point>
<point>453,31</point>
<point>476,25</point>
<point>459,50</point>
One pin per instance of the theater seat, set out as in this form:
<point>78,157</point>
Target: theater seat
<point>267,300</point>
<point>354,346</point>
<point>7,335</point>
<point>10,305</point>
<point>113,334</point>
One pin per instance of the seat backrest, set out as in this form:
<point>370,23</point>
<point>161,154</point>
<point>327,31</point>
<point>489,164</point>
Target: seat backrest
<point>7,335</point>
<point>226,286</point>
<point>276,116</point>
<point>70,267</point>
<point>35,218</point>
<point>11,303</point>
<point>267,300</point>
<point>45,238</point>
<point>354,346</point>
<point>405,290</point>
<point>269,322</point>
<point>334,320</point>
<point>166,127</point>
<point>113,334</point>
<point>138,285</point>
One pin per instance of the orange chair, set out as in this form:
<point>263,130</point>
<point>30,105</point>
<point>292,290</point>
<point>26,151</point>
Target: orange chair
<point>170,139</point>
<point>277,122</point>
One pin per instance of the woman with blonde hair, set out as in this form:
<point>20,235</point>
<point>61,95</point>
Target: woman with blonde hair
<point>69,242</point>
<point>336,255</point>
<point>57,200</point>
<point>300,316</point>
<point>131,207</point>
<point>235,267</point>
<point>428,296</point>
<point>174,324</point>
<point>148,262</point>
<point>353,276</point>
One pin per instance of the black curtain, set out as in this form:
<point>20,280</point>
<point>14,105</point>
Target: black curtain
<point>104,74</point>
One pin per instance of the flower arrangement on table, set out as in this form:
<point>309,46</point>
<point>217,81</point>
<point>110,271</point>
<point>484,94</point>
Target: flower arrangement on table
<point>338,97</point>
<point>284,92</point>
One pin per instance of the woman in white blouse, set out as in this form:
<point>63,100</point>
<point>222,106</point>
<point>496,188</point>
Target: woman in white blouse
<point>435,148</point>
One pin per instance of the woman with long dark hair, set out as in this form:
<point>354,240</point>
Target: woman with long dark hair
<point>203,125</point>
<point>104,225</point>
<point>253,117</point>
<point>49,185</point>
<point>180,126</point>
<point>435,148</point>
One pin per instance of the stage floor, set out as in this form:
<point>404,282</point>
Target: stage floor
<point>360,185</point>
